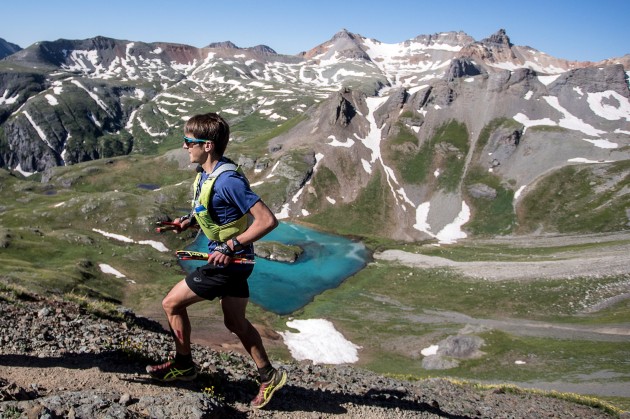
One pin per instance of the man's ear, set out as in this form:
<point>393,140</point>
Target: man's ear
<point>208,146</point>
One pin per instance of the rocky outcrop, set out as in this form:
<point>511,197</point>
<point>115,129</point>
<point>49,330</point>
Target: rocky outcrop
<point>277,251</point>
<point>481,190</point>
<point>462,67</point>
<point>498,39</point>
<point>343,112</point>
<point>593,80</point>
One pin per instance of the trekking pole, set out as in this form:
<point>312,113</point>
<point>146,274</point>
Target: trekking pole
<point>170,225</point>
<point>166,226</point>
<point>192,255</point>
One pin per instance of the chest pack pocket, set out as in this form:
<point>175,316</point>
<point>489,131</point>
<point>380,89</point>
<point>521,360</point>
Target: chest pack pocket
<point>202,200</point>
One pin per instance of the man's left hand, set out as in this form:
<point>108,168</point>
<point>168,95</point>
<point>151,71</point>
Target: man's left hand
<point>222,255</point>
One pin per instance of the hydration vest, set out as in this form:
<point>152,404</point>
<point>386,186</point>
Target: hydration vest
<point>201,202</point>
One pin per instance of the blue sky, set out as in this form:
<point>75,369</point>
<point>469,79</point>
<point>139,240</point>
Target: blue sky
<point>569,29</point>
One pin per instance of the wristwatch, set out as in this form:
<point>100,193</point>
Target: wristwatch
<point>236,245</point>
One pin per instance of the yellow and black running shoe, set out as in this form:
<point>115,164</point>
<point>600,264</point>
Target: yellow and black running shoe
<point>170,371</point>
<point>278,379</point>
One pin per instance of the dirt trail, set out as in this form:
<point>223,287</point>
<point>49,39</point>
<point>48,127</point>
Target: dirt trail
<point>610,256</point>
<point>615,263</point>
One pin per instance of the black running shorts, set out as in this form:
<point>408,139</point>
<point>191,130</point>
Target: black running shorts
<point>209,282</point>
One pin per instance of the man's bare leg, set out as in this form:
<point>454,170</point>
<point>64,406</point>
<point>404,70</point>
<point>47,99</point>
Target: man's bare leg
<point>174,305</point>
<point>236,322</point>
<point>182,367</point>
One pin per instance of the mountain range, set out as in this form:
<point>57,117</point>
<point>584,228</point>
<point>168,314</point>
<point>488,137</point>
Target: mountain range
<point>433,138</point>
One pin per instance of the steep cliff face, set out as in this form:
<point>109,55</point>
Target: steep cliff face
<point>82,123</point>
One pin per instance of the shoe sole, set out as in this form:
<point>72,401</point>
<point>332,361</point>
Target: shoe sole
<point>282,382</point>
<point>180,378</point>
<point>175,378</point>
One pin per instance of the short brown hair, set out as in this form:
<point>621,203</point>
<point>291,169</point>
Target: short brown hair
<point>210,126</point>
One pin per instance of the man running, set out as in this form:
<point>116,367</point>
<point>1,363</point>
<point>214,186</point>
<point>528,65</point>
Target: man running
<point>223,205</point>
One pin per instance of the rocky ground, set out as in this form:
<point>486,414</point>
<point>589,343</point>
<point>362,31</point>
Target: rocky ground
<point>58,360</point>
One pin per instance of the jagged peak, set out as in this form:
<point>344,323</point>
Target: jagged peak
<point>344,34</point>
<point>346,39</point>
<point>498,38</point>
<point>263,49</point>
<point>223,45</point>
<point>344,42</point>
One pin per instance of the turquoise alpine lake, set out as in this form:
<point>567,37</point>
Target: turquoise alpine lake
<point>283,288</point>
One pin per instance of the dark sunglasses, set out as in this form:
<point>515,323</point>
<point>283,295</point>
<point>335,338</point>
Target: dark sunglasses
<point>188,141</point>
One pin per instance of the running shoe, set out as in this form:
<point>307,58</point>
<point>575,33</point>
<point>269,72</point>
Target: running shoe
<point>278,379</point>
<point>170,371</point>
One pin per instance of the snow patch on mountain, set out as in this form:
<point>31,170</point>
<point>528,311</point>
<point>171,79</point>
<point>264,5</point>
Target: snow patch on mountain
<point>93,95</point>
<point>524,119</point>
<point>336,143</point>
<point>318,341</point>
<point>159,246</point>
<point>6,100</point>
<point>373,142</point>
<point>603,143</point>
<point>451,232</point>
<point>52,100</point>
<point>585,160</point>
<point>108,269</point>
<point>40,132</point>
<point>603,104</point>
<point>570,121</point>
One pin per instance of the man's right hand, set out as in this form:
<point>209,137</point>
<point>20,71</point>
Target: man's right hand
<point>182,224</point>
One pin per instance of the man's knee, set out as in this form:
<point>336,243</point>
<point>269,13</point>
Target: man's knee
<point>171,305</point>
<point>237,326</point>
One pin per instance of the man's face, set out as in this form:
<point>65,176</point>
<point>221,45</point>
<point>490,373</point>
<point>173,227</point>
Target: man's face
<point>196,149</point>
